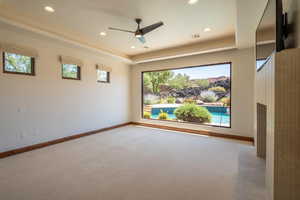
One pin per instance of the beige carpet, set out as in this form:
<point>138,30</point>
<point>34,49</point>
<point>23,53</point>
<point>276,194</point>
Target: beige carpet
<point>135,163</point>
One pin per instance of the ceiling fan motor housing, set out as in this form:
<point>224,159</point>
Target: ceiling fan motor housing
<point>138,32</point>
<point>138,20</point>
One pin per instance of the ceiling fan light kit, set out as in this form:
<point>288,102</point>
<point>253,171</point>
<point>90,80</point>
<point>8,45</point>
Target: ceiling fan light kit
<point>140,32</point>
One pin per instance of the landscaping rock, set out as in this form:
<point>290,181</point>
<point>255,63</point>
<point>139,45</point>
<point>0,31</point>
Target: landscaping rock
<point>199,102</point>
<point>179,101</point>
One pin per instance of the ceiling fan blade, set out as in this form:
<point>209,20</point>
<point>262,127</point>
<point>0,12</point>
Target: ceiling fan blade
<point>118,29</point>
<point>150,28</point>
<point>142,39</point>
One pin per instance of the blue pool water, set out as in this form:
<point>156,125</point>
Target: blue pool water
<point>220,116</point>
<point>222,119</point>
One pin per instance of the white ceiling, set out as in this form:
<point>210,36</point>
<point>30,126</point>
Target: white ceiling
<point>83,20</point>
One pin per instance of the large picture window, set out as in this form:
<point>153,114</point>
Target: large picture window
<point>200,94</point>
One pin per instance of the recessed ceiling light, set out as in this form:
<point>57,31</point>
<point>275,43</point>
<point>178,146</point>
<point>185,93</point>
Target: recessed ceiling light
<point>49,9</point>
<point>207,29</point>
<point>133,47</point>
<point>103,34</point>
<point>191,2</point>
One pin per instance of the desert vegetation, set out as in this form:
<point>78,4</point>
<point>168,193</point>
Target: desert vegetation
<point>165,87</point>
<point>17,63</point>
<point>169,95</point>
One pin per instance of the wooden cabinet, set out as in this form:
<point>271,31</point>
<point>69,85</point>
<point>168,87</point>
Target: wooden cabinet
<point>278,88</point>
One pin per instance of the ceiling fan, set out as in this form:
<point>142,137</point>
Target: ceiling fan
<point>140,32</point>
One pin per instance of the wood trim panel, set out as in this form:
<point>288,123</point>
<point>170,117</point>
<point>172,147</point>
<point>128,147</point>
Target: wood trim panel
<point>261,130</point>
<point>285,125</point>
<point>57,141</point>
<point>199,132</point>
<point>279,90</point>
<point>73,137</point>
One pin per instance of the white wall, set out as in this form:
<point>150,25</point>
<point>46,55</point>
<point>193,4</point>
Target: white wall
<point>243,70</point>
<point>46,107</point>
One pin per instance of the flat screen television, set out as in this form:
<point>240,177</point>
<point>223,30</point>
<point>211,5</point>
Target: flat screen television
<point>271,32</point>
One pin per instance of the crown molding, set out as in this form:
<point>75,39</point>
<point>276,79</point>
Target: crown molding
<point>59,37</point>
<point>184,55</point>
<point>203,47</point>
<point>218,44</point>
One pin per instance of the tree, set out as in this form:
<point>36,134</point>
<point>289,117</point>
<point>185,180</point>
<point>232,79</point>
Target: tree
<point>154,79</point>
<point>70,70</point>
<point>203,83</point>
<point>179,81</point>
<point>17,63</point>
<point>147,82</point>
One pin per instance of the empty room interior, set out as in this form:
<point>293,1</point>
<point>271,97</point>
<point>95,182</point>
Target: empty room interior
<point>150,100</point>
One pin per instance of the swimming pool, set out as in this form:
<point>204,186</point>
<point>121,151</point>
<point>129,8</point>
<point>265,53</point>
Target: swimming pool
<point>220,115</point>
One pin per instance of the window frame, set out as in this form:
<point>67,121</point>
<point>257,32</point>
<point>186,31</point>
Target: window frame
<point>32,65</point>
<point>78,78</point>
<point>108,77</point>
<point>263,65</point>
<point>183,122</point>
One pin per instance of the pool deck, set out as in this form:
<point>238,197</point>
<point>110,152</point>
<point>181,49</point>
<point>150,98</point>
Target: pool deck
<point>166,105</point>
<point>178,105</point>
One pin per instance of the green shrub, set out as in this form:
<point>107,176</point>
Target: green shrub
<point>163,116</point>
<point>148,102</point>
<point>189,101</point>
<point>209,96</point>
<point>171,100</point>
<point>147,115</point>
<point>192,113</point>
<point>162,101</point>
<point>225,101</point>
<point>150,99</point>
<point>157,102</point>
<point>217,89</point>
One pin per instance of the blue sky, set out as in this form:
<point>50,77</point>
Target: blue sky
<point>204,72</point>
<point>259,63</point>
